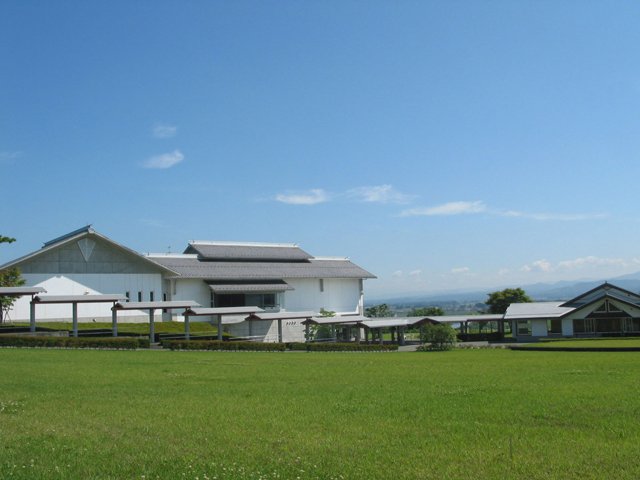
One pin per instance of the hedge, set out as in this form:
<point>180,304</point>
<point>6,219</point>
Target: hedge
<point>217,345</point>
<point>70,342</point>
<point>348,347</point>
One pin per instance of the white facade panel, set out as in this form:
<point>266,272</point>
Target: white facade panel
<point>86,283</point>
<point>538,328</point>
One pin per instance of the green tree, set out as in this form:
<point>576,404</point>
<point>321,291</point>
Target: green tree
<point>322,331</point>
<point>378,311</point>
<point>499,301</point>
<point>439,337</point>
<point>9,277</point>
<point>427,312</point>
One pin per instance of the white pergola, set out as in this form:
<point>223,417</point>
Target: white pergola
<point>152,307</point>
<point>74,300</point>
<point>21,292</point>
<point>220,312</point>
<point>347,320</point>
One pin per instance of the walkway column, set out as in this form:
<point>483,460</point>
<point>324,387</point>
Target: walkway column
<point>74,310</point>
<point>357,335</point>
<point>219,328</point>
<point>186,327</point>
<point>250,329</point>
<point>421,332</point>
<point>280,330</point>
<point>333,333</point>
<point>366,336</point>
<point>401,336</point>
<point>32,317</point>
<point>114,322</point>
<point>380,336</point>
<point>152,327</point>
<point>307,332</point>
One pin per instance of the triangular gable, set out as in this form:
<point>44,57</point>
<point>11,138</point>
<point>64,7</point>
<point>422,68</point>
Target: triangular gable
<point>89,246</point>
<point>606,289</point>
<point>595,303</point>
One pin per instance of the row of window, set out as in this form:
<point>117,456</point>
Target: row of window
<point>151,296</point>
<point>260,300</point>
<point>586,325</point>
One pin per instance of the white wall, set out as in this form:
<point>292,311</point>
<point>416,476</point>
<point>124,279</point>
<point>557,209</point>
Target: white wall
<point>340,295</point>
<point>79,284</point>
<point>538,328</point>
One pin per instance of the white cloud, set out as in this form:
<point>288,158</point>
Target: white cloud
<point>525,268</point>
<point>164,131</point>
<point>460,270</point>
<point>591,261</point>
<point>452,208</point>
<point>164,161</point>
<point>305,198</point>
<point>503,271</point>
<point>416,272</point>
<point>382,194</point>
<point>550,216</point>
<point>543,265</point>
<point>397,273</point>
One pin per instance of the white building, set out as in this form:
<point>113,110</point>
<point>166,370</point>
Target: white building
<point>276,277</point>
<point>602,311</point>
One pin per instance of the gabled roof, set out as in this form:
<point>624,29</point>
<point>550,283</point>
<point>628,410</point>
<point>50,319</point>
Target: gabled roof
<point>607,287</point>
<point>76,235</point>
<point>536,310</point>
<point>231,251</point>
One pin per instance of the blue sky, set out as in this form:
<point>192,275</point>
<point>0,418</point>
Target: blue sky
<point>439,145</point>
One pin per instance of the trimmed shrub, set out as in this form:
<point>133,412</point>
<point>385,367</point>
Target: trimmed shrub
<point>439,337</point>
<point>227,346</point>
<point>297,346</point>
<point>70,342</point>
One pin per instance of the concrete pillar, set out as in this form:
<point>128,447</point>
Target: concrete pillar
<point>32,317</point>
<point>357,335</point>
<point>74,316</point>
<point>250,329</point>
<point>114,322</point>
<point>280,330</point>
<point>186,327</point>
<point>421,332</point>
<point>366,336</point>
<point>307,332</point>
<point>401,336</point>
<point>219,328</point>
<point>152,327</point>
<point>333,332</point>
<point>380,336</point>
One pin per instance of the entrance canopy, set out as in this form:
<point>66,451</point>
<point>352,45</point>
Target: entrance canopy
<point>20,291</point>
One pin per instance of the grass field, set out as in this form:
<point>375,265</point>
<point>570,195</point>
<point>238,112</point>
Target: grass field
<point>460,414</point>
<point>596,343</point>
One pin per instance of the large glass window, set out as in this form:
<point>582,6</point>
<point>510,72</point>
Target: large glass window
<point>554,327</point>
<point>608,325</point>
<point>261,300</point>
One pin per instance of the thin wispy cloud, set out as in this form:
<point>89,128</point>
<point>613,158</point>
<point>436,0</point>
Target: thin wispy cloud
<point>164,131</point>
<point>397,273</point>
<point>461,208</point>
<point>416,272</point>
<point>457,271</point>
<point>381,194</point>
<point>583,265</point>
<point>8,156</point>
<point>164,161</point>
<point>310,197</point>
<point>452,208</point>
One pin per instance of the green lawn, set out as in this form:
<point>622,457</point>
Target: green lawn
<point>460,414</point>
<point>592,343</point>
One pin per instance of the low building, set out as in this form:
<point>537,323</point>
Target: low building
<point>274,277</point>
<point>603,311</point>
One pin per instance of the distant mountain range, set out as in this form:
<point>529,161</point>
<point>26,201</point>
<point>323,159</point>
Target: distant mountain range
<point>540,292</point>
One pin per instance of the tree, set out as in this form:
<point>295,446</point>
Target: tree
<point>499,301</point>
<point>9,277</point>
<point>427,312</point>
<point>439,337</point>
<point>322,331</point>
<point>378,311</point>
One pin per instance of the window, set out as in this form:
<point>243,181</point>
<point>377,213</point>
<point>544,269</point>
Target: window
<point>583,325</point>
<point>524,327</point>
<point>601,308</point>
<point>260,300</point>
<point>321,285</point>
<point>128,295</point>
<point>554,327</point>
<point>151,296</point>
<point>613,308</point>
<point>608,325</point>
<point>139,296</point>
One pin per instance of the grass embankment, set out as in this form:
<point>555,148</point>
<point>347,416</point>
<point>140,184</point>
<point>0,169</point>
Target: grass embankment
<point>141,328</point>
<point>459,414</point>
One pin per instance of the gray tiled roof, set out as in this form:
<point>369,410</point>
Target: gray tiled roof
<point>536,310</point>
<point>247,252</point>
<point>191,267</point>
